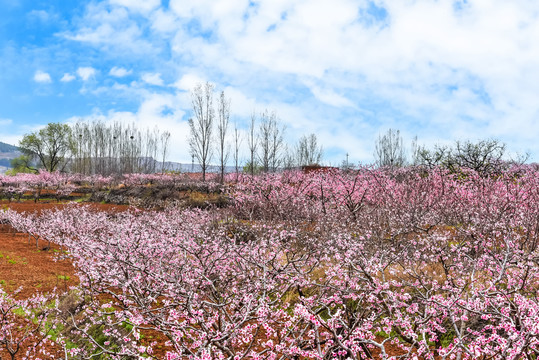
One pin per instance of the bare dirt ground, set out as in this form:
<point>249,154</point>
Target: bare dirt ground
<point>34,268</point>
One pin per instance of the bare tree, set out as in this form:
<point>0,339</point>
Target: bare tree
<point>483,156</point>
<point>165,137</point>
<point>432,157</point>
<point>201,125</point>
<point>277,144</point>
<point>290,158</point>
<point>308,151</point>
<point>270,141</point>
<point>223,112</point>
<point>150,141</point>
<point>116,148</point>
<point>236,154</point>
<point>414,152</point>
<point>389,150</point>
<point>252,142</point>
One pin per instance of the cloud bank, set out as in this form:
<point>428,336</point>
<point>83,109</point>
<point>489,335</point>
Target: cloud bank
<point>345,70</point>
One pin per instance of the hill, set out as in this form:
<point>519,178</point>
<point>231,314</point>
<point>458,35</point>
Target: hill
<point>7,153</point>
<point>6,148</point>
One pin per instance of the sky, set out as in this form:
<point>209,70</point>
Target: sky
<point>345,70</point>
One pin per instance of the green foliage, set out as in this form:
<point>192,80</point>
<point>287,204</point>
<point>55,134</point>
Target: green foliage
<point>127,326</point>
<point>22,164</point>
<point>172,172</point>
<point>256,168</point>
<point>19,311</point>
<point>51,146</point>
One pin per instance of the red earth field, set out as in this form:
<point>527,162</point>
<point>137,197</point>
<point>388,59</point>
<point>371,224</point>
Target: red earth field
<point>30,268</point>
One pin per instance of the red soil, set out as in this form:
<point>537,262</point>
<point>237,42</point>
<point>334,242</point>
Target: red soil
<point>34,269</point>
<point>31,269</point>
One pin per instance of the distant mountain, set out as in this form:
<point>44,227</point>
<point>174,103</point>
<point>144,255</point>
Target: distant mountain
<point>6,148</point>
<point>7,153</point>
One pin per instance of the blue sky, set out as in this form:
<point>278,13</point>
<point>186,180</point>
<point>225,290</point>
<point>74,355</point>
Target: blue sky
<point>346,70</point>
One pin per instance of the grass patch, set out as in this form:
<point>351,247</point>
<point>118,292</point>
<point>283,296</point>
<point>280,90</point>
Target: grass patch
<point>19,312</point>
<point>14,259</point>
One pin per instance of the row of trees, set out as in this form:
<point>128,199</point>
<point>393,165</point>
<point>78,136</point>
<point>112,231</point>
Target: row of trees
<point>105,149</point>
<point>118,149</point>
<point>209,136</point>
<point>267,150</point>
<point>487,156</point>
<point>94,148</point>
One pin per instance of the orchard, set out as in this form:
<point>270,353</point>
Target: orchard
<point>406,263</point>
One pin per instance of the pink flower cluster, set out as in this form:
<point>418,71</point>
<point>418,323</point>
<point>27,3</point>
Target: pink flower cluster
<point>24,326</point>
<point>62,184</point>
<point>407,263</point>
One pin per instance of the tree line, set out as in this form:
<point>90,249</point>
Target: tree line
<point>94,148</point>
<point>101,148</point>
<point>486,156</point>
<point>211,134</point>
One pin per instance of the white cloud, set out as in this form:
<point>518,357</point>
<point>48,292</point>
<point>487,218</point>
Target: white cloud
<point>153,79</point>
<point>241,104</point>
<point>120,72</point>
<point>329,97</point>
<point>40,15</point>
<point>188,81</point>
<point>143,6</point>
<point>5,122</point>
<point>112,30</point>
<point>429,67</point>
<point>42,77</point>
<point>164,21</point>
<point>86,73</point>
<point>67,77</point>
